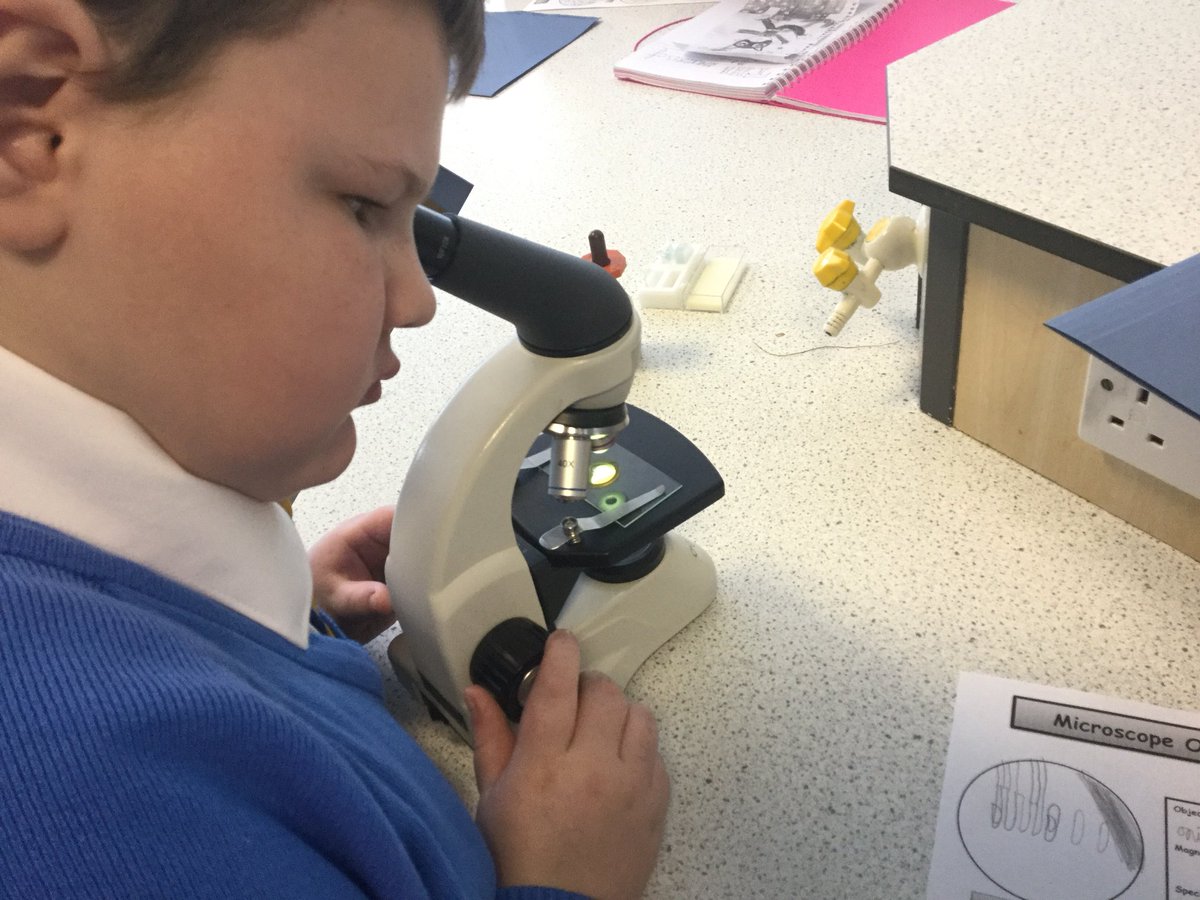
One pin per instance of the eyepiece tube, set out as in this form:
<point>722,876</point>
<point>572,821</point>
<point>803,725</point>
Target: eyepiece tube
<point>561,305</point>
<point>437,241</point>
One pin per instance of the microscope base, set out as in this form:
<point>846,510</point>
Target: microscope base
<point>620,625</point>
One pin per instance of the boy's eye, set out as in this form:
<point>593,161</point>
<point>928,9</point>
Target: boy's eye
<point>365,211</point>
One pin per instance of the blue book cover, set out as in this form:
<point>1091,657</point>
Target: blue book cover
<point>1150,330</point>
<point>518,41</point>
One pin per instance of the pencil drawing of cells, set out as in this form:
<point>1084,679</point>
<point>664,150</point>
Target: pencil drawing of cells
<point>1046,831</point>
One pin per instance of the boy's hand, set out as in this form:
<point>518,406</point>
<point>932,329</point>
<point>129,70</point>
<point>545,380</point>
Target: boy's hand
<point>577,798</point>
<point>347,566</point>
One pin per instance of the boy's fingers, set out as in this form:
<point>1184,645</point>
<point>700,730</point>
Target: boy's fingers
<point>356,599</point>
<point>493,737</point>
<point>548,719</point>
<point>353,595</point>
<point>639,742</point>
<point>371,538</point>
<point>603,711</point>
<point>660,790</point>
<point>379,600</point>
<point>378,524</point>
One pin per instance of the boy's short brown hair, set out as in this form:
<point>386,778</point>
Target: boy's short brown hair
<point>164,42</point>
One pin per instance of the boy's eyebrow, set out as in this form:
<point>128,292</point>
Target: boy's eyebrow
<point>397,173</point>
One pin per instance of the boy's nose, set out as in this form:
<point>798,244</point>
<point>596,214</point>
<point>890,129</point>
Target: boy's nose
<point>411,301</point>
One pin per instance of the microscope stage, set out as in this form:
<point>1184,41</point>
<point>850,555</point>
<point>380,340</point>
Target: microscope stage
<point>648,453</point>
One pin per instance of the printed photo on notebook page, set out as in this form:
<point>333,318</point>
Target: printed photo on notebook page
<point>786,31</point>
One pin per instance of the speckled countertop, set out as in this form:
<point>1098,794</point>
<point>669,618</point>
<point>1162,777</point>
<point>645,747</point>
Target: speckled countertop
<point>866,554</point>
<point>1080,115</point>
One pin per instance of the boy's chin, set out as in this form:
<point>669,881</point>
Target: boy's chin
<point>284,480</point>
<point>332,462</point>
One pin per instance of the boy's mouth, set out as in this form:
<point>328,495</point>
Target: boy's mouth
<point>391,370</point>
<point>374,392</point>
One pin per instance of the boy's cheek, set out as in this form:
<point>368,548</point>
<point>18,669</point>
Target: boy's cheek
<point>276,458</point>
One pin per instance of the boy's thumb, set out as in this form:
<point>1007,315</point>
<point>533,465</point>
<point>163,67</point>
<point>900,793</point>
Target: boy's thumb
<point>492,735</point>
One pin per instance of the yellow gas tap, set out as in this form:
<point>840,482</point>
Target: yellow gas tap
<point>850,263</point>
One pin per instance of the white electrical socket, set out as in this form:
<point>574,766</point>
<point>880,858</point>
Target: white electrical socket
<point>1129,422</point>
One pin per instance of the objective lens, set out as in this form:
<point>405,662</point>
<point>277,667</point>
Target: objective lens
<point>569,457</point>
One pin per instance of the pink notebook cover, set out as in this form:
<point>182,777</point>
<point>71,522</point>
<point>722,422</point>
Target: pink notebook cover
<point>854,82</point>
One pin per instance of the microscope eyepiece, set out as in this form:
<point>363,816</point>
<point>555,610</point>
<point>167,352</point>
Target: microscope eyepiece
<point>436,237</point>
<point>560,304</point>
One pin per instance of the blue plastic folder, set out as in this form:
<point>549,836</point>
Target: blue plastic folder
<point>449,193</point>
<point>1150,330</point>
<point>518,41</point>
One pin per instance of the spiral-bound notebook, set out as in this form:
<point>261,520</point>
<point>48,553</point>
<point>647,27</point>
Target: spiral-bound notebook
<point>826,56</point>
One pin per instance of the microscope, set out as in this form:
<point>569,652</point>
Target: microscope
<point>539,498</point>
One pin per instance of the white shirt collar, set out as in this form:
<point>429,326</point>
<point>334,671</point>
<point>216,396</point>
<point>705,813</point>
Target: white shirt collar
<point>83,467</point>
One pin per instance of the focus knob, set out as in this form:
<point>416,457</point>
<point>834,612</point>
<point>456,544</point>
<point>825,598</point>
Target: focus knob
<point>506,662</point>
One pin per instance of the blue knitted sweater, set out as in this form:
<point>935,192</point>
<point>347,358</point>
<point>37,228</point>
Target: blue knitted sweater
<point>154,743</point>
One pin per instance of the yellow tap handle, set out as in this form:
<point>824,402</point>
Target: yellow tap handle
<point>838,229</point>
<point>835,269</point>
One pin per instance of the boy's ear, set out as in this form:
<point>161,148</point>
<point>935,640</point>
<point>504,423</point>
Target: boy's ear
<point>46,48</point>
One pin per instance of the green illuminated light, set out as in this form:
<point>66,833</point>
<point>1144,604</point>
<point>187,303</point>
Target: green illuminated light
<point>612,501</point>
<point>602,473</point>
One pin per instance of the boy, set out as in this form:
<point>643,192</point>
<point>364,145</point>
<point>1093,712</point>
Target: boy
<point>205,241</point>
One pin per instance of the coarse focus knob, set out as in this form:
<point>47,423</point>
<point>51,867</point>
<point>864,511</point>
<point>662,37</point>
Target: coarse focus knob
<point>506,662</point>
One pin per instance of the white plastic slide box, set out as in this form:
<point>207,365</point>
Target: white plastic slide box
<point>689,277</point>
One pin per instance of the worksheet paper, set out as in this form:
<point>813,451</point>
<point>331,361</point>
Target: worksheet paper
<point>1052,794</point>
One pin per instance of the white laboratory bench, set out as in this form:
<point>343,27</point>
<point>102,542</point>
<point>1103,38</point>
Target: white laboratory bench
<point>866,553</point>
<point>1052,143</point>
<point>1071,125</point>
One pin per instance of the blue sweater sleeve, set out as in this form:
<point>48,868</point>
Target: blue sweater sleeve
<point>156,743</point>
